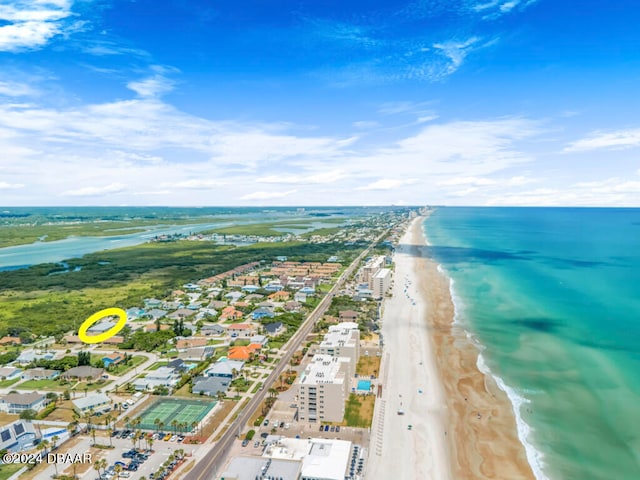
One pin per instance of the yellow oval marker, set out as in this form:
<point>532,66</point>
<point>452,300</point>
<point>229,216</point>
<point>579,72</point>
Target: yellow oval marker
<point>107,312</point>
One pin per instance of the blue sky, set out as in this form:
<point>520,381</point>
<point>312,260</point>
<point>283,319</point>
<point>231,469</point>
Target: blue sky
<point>185,102</point>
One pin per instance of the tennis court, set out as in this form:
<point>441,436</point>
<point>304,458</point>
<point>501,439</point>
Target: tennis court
<point>184,412</point>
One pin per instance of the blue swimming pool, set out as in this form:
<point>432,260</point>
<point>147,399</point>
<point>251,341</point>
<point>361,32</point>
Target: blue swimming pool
<point>364,385</point>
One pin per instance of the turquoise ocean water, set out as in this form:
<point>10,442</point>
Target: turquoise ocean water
<point>552,295</point>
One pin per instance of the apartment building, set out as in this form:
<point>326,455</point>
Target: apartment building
<point>381,282</point>
<point>342,340</point>
<point>323,389</point>
<point>371,268</point>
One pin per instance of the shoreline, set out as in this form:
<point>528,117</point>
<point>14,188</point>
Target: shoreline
<point>484,439</point>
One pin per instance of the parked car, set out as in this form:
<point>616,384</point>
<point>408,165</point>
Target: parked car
<point>321,428</point>
<point>245,442</point>
<point>265,423</point>
<point>332,429</point>
<point>167,437</point>
<point>326,428</point>
<point>256,444</point>
<point>337,428</point>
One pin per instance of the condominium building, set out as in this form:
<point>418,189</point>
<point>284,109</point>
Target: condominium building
<point>380,282</point>
<point>371,268</point>
<point>323,389</point>
<point>342,340</point>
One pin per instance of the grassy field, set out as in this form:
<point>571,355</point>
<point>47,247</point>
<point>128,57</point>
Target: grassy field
<point>157,365</point>
<point>7,470</point>
<point>121,369</point>
<point>42,384</point>
<point>368,366</point>
<point>359,411</point>
<point>8,383</point>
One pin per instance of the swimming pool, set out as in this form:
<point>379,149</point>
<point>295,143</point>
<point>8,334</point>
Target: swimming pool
<point>364,385</point>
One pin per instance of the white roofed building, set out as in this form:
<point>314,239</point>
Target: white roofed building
<point>323,389</point>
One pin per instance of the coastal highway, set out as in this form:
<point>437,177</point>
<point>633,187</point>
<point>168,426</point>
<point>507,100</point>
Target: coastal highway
<point>206,469</point>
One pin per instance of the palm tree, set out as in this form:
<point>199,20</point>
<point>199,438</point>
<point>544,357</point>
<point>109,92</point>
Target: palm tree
<point>194,424</point>
<point>156,422</point>
<point>174,424</point>
<point>161,425</point>
<point>126,421</point>
<point>96,467</point>
<point>118,469</point>
<point>110,432</point>
<point>150,442</point>
<point>93,434</point>
<point>220,396</point>
<point>54,439</point>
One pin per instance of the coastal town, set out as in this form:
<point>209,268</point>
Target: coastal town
<point>269,370</point>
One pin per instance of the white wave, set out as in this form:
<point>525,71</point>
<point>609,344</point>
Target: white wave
<point>534,456</point>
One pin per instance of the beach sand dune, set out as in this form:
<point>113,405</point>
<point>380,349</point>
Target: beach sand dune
<point>462,424</point>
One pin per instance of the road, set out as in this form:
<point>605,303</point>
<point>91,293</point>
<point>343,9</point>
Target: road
<point>207,468</point>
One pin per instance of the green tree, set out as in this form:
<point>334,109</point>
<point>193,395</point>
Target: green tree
<point>28,414</point>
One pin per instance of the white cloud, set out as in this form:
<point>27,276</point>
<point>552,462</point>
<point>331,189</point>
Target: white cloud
<point>485,181</point>
<point>598,140</point>
<point>94,191</point>
<point>388,184</point>
<point>455,51</point>
<point>267,195</point>
<point>155,85</point>
<point>365,124</point>
<point>32,23</point>
<point>10,186</point>
<point>15,89</point>
<point>308,179</point>
<point>195,184</point>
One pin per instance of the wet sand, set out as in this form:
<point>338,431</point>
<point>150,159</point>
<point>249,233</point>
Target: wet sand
<point>482,437</point>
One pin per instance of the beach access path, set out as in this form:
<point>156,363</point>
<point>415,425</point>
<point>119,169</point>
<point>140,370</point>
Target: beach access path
<point>411,382</point>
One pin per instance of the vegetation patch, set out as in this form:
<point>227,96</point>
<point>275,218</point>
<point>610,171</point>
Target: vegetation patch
<point>359,411</point>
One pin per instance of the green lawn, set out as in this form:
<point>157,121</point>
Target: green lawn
<point>157,365</point>
<point>8,383</point>
<point>44,384</point>
<point>91,386</point>
<point>7,470</point>
<point>359,411</point>
<point>122,368</point>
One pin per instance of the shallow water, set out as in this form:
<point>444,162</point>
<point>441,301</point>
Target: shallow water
<point>554,296</point>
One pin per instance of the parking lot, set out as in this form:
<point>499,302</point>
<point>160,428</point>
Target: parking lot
<point>146,464</point>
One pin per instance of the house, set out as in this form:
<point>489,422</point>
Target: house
<point>152,327</point>
<point>101,327</point>
<point>9,373</point>
<point>197,354</point>
<point>178,365</point>
<point>18,436</point>
<point>217,304</point>
<point>98,403</point>
<point>279,296</point>
<point>172,305</point>
<point>250,288</point>
<point>274,287</point>
<point>152,302</point>
<point>241,353</point>
<point>292,306</point>
<point>253,297</point>
<point>210,386</point>
<point>112,359</point>
<point>156,313</point>
<point>300,297</point>
<point>134,312</point>
<point>230,313</point>
<point>260,339</point>
<point>273,329</point>
<point>19,402</point>
<point>39,374</point>
<point>190,342</point>
<point>10,341</point>
<point>84,372</point>
<point>234,296</point>
<point>262,312</point>
<point>181,314</point>
<point>29,356</point>
<point>115,340</point>
<point>224,369</point>
<point>241,330</point>
<point>308,290</point>
<point>163,376</point>
<point>212,330</point>
<point>348,316</point>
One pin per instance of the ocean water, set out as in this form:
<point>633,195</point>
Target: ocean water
<point>552,295</point>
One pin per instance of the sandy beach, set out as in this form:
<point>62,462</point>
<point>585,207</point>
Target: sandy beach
<point>455,423</point>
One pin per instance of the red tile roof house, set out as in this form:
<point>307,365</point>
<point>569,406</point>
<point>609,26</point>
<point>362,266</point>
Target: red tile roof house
<point>241,330</point>
<point>348,315</point>
<point>230,313</point>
